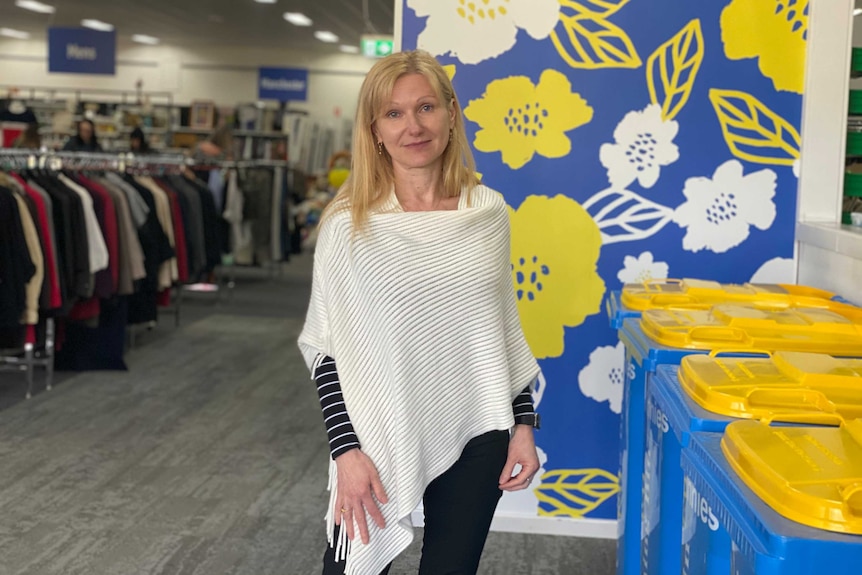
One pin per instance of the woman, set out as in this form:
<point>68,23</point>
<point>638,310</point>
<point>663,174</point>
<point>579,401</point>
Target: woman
<point>29,138</point>
<point>413,335</point>
<point>85,140</point>
<point>138,142</point>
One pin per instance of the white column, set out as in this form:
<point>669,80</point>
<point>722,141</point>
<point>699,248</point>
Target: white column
<point>824,110</point>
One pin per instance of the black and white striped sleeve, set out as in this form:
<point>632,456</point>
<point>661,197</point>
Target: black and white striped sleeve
<point>339,429</point>
<point>522,406</point>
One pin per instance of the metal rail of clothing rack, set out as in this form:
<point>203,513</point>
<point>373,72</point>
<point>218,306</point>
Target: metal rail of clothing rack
<point>28,358</point>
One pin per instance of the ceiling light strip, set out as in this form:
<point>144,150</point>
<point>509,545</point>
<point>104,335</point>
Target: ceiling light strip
<point>34,6</point>
<point>297,19</point>
<point>326,36</point>
<point>12,33</point>
<point>144,39</point>
<point>94,24</point>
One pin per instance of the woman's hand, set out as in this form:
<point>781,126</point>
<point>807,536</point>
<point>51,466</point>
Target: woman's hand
<point>359,490</point>
<point>522,450</point>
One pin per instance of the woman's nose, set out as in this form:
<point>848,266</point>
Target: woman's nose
<point>413,123</point>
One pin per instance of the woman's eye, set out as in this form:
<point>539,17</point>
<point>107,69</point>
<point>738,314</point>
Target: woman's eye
<point>427,108</point>
<point>392,114</point>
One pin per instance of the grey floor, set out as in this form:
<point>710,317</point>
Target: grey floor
<point>207,457</point>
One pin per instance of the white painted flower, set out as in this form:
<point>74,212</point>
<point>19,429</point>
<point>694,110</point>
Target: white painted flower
<point>642,268</point>
<point>602,379</point>
<point>720,211</point>
<point>776,271</point>
<point>524,502</point>
<point>539,390</point>
<point>476,30</point>
<point>644,143</point>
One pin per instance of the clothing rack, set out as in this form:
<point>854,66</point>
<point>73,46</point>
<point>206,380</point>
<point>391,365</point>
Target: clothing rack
<point>253,164</point>
<point>28,358</point>
<point>283,173</point>
<point>25,357</point>
<point>156,165</point>
<point>93,161</point>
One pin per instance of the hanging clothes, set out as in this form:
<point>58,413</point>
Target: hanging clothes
<point>96,246</point>
<point>180,234</point>
<point>106,280</point>
<point>258,188</point>
<point>168,272</point>
<point>73,243</point>
<point>48,296</point>
<point>241,240</point>
<point>97,252</point>
<point>57,282</point>
<point>33,288</point>
<point>190,199</point>
<point>157,250</point>
<point>17,269</point>
<point>276,215</point>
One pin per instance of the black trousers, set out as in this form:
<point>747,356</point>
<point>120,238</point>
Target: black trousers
<point>459,506</point>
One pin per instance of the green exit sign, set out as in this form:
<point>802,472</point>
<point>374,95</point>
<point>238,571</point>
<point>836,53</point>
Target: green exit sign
<point>377,46</point>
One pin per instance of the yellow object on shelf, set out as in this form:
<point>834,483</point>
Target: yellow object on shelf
<point>811,475</point>
<point>751,327</point>
<point>695,293</point>
<point>781,386</point>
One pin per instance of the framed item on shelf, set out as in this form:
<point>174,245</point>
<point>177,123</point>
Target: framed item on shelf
<point>202,114</point>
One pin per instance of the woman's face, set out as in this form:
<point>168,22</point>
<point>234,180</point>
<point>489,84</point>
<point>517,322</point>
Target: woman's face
<point>85,130</point>
<point>414,125</point>
<point>135,144</point>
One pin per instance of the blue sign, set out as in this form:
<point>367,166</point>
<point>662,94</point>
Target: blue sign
<point>82,51</point>
<point>282,84</point>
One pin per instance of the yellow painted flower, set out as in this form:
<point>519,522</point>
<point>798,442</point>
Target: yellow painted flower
<point>521,119</point>
<point>555,249</point>
<point>774,31</point>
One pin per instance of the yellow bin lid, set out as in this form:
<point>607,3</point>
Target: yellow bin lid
<point>749,327</point>
<point>811,475</point>
<point>780,386</point>
<point>662,293</point>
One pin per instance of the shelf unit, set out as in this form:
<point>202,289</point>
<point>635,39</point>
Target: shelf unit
<point>308,142</point>
<point>852,192</point>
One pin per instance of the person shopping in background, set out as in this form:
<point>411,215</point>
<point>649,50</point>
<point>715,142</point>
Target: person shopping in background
<point>29,138</point>
<point>138,142</point>
<point>85,140</point>
<point>413,336</point>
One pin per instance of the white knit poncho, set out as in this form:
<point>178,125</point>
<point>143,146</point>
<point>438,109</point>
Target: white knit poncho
<point>419,313</point>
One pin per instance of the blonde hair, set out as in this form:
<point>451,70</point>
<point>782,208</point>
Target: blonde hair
<point>371,174</point>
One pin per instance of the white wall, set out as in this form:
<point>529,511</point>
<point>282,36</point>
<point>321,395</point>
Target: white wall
<point>226,76</point>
